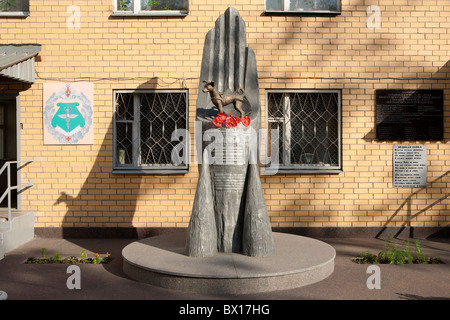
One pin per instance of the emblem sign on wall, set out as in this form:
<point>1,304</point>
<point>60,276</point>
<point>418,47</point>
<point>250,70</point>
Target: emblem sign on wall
<point>68,113</point>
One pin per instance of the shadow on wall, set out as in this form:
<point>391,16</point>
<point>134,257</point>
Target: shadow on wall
<point>412,214</point>
<point>440,182</point>
<point>105,205</point>
<point>443,74</point>
<point>382,43</point>
<point>105,200</point>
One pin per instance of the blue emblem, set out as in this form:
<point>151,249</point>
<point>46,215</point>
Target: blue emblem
<point>68,115</point>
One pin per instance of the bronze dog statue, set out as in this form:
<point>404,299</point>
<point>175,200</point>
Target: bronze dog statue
<point>220,100</point>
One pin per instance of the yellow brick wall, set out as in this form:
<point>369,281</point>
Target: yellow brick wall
<point>74,185</point>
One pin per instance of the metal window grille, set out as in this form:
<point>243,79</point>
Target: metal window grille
<point>309,128</point>
<point>144,124</point>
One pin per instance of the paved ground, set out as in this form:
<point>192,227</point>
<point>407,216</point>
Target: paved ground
<point>107,282</point>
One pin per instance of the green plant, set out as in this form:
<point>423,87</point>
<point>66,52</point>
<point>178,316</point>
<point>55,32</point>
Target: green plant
<point>123,4</point>
<point>408,254</point>
<point>366,257</point>
<point>419,255</point>
<point>97,259</point>
<point>393,255</point>
<point>5,5</point>
<point>151,4</point>
<point>56,258</point>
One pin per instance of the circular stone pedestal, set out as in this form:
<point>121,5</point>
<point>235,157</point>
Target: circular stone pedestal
<point>161,261</point>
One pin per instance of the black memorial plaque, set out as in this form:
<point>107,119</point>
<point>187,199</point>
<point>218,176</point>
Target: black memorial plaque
<point>410,115</point>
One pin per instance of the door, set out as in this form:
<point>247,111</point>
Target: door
<point>8,146</point>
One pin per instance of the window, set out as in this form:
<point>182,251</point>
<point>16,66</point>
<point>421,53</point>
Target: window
<point>150,131</point>
<point>14,8</point>
<point>151,7</point>
<point>309,125</point>
<point>303,6</point>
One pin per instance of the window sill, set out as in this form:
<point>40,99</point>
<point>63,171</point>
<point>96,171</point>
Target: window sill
<point>15,14</point>
<point>151,172</point>
<point>164,13</point>
<point>268,171</point>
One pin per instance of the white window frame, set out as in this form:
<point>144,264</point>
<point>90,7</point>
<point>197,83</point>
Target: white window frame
<point>138,12</point>
<point>285,139</point>
<point>285,8</point>
<point>135,168</point>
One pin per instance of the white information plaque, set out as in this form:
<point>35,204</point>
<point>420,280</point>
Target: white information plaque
<point>410,166</point>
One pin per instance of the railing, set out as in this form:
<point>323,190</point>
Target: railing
<point>19,186</point>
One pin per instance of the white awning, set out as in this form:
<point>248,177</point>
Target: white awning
<point>17,61</point>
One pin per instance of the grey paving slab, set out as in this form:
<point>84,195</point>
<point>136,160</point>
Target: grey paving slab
<point>108,282</point>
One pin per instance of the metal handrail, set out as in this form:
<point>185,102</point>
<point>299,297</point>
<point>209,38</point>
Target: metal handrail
<point>9,188</point>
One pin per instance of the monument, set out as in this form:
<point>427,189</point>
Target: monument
<point>229,247</point>
<point>229,212</point>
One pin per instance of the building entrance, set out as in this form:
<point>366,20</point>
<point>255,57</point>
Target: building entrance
<point>8,147</point>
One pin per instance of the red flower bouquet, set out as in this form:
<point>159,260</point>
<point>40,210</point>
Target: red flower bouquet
<point>245,121</point>
<point>222,120</point>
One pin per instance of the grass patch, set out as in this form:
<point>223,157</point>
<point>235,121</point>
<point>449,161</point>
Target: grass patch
<point>391,254</point>
<point>82,259</point>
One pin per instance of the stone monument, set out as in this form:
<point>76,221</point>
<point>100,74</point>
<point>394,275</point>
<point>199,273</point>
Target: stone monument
<point>229,215</point>
<point>229,212</point>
